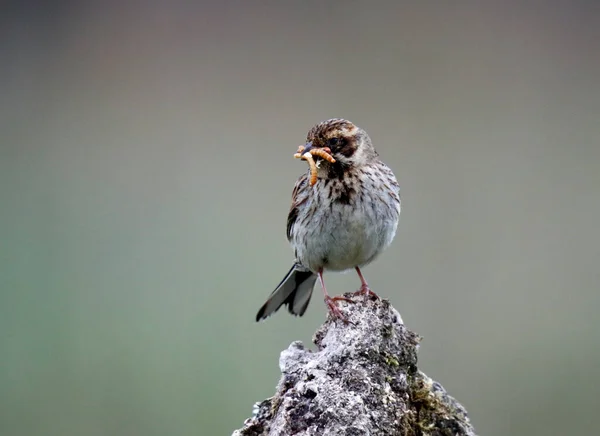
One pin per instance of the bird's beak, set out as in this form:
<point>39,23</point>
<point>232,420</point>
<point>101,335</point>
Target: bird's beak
<point>307,147</point>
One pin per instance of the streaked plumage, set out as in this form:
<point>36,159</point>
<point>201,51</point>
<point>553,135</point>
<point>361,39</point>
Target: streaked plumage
<point>342,222</point>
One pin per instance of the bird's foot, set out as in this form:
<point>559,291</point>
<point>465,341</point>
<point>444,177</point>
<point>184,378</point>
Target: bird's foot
<point>334,310</point>
<point>367,292</point>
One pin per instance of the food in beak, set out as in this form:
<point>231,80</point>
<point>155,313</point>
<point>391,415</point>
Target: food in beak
<point>323,153</point>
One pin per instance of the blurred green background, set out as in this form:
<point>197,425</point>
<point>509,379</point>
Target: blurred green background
<point>145,177</point>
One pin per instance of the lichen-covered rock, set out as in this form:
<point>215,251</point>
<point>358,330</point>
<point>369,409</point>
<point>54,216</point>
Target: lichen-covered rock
<point>362,380</point>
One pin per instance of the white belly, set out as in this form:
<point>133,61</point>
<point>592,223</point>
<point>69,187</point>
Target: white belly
<point>355,241</point>
<point>339,236</point>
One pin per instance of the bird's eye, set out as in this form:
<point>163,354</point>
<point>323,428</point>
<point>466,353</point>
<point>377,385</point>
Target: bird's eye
<point>333,142</point>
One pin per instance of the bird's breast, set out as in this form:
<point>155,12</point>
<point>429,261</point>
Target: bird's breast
<point>347,222</point>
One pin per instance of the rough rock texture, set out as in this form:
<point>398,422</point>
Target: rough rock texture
<point>363,380</point>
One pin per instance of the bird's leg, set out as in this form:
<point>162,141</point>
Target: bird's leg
<point>330,301</point>
<point>364,287</point>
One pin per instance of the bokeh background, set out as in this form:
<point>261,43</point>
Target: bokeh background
<point>145,177</point>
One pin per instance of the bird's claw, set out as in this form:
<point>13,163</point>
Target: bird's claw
<point>335,312</point>
<point>367,292</point>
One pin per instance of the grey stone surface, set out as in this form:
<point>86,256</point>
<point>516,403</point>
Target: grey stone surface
<point>362,380</point>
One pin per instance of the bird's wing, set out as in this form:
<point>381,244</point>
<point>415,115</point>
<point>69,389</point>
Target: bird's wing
<point>299,196</point>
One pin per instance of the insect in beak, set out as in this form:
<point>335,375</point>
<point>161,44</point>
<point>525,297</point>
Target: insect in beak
<point>306,152</point>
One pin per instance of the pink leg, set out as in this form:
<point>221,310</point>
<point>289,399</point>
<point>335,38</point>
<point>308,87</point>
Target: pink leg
<point>330,301</point>
<point>364,287</point>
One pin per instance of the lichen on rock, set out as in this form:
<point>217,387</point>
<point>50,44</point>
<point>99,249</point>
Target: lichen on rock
<point>362,380</point>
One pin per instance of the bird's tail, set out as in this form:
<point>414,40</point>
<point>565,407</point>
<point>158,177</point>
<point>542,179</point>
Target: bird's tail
<point>294,290</point>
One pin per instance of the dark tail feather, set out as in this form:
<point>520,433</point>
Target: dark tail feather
<point>294,290</point>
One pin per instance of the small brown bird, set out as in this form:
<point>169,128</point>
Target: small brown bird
<point>344,213</point>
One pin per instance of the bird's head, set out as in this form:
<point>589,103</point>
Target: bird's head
<point>348,144</point>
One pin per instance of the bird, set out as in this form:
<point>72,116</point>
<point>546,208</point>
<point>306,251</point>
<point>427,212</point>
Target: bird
<point>344,213</point>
